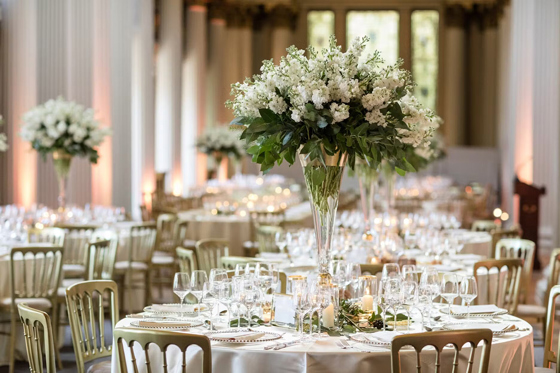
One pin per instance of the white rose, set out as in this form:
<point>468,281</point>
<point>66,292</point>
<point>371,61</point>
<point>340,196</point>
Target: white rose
<point>53,133</point>
<point>61,127</point>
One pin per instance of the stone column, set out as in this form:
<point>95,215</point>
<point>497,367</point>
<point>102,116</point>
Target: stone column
<point>546,116</point>
<point>488,118</point>
<point>283,18</point>
<point>232,69</point>
<point>168,93</point>
<point>454,75</point>
<point>194,86</point>
<point>474,80</point>
<point>18,61</point>
<point>142,104</point>
<point>217,63</point>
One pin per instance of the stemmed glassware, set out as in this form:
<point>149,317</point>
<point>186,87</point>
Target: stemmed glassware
<point>209,299</point>
<point>449,289</point>
<point>198,279</point>
<point>409,273</point>
<point>251,295</point>
<point>390,270</point>
<point>353,273</point>
<point>181,286</point>
<point>226,296</point>
<point>468,291</point>
<point>281,240</point>
<point>430,286</point>
<point>300,301</point>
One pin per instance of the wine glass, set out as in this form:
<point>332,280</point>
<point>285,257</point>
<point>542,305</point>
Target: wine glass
<point>353,273</point>
<point>299,301</point>
<point>430,285</point>
<point>198,279</point>
<point>240,269</point>
<point>225,296</point>
<point>218,275</point>
<point>449,289</point>
<point>181,286</point>
<point>209,299</point>
<point>409,273</point>
<point>468,292</point>
<point>264,276</point>
<point>390,270</point>
<point>281,240</point>
<point>238,296</point>
<point>251,296</point>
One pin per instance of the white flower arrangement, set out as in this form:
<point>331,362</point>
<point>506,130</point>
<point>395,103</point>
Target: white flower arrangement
<point>221,139</point>
<point>60,125</point>
<point>333,102</point>
<point>3,138</point>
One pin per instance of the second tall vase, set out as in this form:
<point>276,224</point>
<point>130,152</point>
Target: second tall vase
<point>323,185</point>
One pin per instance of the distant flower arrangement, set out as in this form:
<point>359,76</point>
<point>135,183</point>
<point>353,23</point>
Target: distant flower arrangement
<point>222,140</point>
<point>60,125</point>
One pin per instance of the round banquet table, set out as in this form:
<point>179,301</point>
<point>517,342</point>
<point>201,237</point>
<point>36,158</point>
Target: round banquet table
<point>235,229</point>
<point>513,353</point>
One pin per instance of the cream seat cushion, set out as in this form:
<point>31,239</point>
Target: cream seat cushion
<point>73,270</point>
<point>121,267</point>
<point>42,304</point>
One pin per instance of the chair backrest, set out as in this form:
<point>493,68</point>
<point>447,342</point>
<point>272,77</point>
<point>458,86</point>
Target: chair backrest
<point>209,253</point>
<point>101,260</point>
<point>38,334</point>
<point>142,242</point>
<point>163,339</point>
<point>166,240</point>
<point>549,355</point>
<point>187,261</point>
<point>86,314</point>
<point>484,226</point>
<point>145,213</point>
<point>499,234</point>
<point>371,269</point>
<point>35,272</point>
<point>55,236</point>
<point>266,237</point>
<point>230,262</point>
<point>522,249</point>
<point>439,340</point>
<point>181,231</point>
<point>76,242</point>
<point>506,292</point>
<point>554,275</point>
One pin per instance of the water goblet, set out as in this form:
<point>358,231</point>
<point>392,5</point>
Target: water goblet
<point>198,278</point>
<point>181,286</point>
<point>468,292</point>
<point>449,289</point>
<point>209,299</point>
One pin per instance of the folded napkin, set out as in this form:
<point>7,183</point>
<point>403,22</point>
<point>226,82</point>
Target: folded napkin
<point>166,324</point>
<point>176,308</point>
<point>246,336</point>
<point>483,308</point>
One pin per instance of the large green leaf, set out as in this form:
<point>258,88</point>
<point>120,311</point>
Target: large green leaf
<point>268,116</point>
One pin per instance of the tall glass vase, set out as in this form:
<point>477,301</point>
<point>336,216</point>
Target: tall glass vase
<point>368,178</point>
<point>390,179</point>
<point>62,162</point>
<point>323,186</point>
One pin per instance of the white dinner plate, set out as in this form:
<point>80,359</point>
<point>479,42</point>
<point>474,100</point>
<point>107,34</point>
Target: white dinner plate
<point>497,329</point>
<point>167,325</point>
<point>224,336</point>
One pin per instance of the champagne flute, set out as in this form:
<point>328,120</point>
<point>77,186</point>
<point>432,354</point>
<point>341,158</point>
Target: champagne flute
<point>209,299</point>
<point>468,291</point>
<point>449,289</point>
<point>181,286</point>
<point>353,273</point>
<point>198,279</point>
<point>429,284</point>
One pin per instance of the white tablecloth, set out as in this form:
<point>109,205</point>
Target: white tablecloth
<point>509,354</point>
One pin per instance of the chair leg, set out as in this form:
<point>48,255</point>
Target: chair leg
<point>13,341</point>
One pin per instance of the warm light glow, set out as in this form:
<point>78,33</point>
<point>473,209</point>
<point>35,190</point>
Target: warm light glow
<point>287,192</point>
<point>260,181</point>
<point>468,189</point>
<point>242,213</point>
<point>177,188</point>
<point>505,216</point>
<point>497,212</point>
<point>278,190</point>
<point>270,208</point>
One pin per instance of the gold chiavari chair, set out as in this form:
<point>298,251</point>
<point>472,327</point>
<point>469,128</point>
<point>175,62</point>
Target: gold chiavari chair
<point>484,226</point>
<point>440,339</point>
<point>163,260</point>
<point>186,259</point>
<point>266,237</point>
<point>140,248</point>
<point>39,338</point>
<point>76,241</point>
<point>550,356</point>
<point>52,235</point>
<point>86,313</point>
<point>34,277</point>
<point>522,249</point>
<point>499,234</point>
<point>181,234</point>
<point>209,253</point>
<point>506,294</point>
<point>162,339</point>
<point>371,269</point>
<point>145,213</point>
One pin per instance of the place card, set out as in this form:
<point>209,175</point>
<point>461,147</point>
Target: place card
<point>283,311</point>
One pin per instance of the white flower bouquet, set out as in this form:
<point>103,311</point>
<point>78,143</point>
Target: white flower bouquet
<point>3,138</point>
<point>223,140</point>
<point>60,125</point>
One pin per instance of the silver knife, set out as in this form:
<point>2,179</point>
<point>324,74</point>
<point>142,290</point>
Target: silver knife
<point>284,345</point>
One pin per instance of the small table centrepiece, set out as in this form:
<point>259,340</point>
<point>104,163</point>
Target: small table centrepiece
<point>219,142</point>
<point>329,109</point>
<point>65,129</point>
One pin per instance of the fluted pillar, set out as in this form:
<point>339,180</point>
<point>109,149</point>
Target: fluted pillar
<point>474,80</point>
<point>283,18</point>
<point>142,104</point>
<point>488,91</point>
<point>546,116</point>
<point>19,70</point>
<point>217,63</point>
<point>194,87</point>
<point>454,76</point>
<point>232,69</point>
<point>168,94</point>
